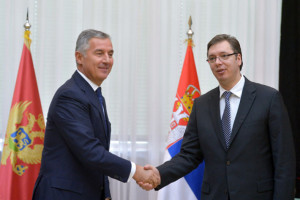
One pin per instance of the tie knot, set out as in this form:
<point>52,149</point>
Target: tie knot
<point>98,92</point>
<point>227,94</point>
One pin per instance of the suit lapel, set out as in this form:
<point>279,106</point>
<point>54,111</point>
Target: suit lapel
<point>246,103</point>
<point>214,104</point>
<point>91,95</point>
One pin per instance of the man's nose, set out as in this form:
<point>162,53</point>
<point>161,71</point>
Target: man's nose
<point>218,60</point>
<point>105,58</point>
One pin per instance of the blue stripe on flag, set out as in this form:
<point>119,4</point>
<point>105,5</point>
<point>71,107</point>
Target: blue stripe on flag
<point>194,179</point>
<point>175,148</point>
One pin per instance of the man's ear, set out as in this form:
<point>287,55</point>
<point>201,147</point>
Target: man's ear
<point>78,57</point>
<point>239,58</point>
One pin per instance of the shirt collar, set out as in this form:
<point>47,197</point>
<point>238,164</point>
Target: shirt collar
<point>93,85</point>
<point>236,90</point>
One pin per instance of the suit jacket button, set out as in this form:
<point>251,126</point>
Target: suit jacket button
<point>227,162</point>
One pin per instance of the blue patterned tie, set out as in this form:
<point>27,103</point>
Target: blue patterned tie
<point>226,119</point>
<point>102,102</point>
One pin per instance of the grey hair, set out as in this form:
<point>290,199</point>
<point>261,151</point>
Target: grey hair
<point>82,43</point>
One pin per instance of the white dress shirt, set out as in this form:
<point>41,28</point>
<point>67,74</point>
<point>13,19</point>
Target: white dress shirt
<point>234,99</point>
<point>95,87</point>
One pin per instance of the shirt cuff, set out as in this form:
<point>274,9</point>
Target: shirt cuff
<point>132,172</point>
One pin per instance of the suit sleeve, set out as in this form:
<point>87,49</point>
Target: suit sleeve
<point>106,189</point>
<point>189,157</point>
<point>282,149</point>
<point>72,117</point>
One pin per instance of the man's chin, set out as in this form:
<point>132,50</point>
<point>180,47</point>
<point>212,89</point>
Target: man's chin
<point>102,77</point>
<point>220,77</point>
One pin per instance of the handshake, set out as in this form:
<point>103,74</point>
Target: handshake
<point>147,177</point>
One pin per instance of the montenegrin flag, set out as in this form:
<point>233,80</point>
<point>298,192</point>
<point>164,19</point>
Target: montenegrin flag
<point>188,187</point>
<point>24,139</point>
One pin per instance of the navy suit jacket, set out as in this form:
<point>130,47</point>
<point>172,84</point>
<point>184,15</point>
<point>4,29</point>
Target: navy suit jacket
<point>260,162</point>
<point>76,159</point>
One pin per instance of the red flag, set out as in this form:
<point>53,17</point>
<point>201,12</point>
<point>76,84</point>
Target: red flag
<point>24,139</point>
<point>188,89</point>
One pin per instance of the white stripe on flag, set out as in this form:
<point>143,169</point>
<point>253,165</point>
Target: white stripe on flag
<point>177,190</point>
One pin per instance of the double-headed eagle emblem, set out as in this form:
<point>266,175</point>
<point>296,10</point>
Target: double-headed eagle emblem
<point>181,113</point>
<point>19,141</point>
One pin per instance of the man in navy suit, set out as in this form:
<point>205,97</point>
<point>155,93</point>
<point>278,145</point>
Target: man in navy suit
<point>76,161</point>
<point>242,131</point>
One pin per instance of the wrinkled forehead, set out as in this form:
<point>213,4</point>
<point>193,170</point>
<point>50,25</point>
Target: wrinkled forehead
<point>100,44</point>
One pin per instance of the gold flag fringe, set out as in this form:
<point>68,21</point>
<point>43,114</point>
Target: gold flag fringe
<point>27,39</point>
<point>190,42</point>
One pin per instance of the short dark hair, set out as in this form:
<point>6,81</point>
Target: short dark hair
<point>234,43</point>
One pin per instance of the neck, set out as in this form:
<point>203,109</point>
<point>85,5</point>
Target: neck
<point>230,84</point>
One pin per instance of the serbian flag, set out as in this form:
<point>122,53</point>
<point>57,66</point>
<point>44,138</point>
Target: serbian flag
<point>24,139</point>
<point>188,187</point>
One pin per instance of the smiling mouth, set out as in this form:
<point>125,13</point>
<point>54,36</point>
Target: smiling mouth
<point>103,68</point>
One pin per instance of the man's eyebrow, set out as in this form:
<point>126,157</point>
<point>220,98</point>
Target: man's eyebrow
<point>223,52</point>
<point>101,50</point>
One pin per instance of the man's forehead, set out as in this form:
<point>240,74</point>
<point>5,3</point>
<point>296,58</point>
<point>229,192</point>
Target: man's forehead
<point>220,47</point>
<point>100,40</point>
<point>100,43</point>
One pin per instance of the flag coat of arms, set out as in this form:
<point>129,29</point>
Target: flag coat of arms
<point>23,145</point>
<point>188,187</point>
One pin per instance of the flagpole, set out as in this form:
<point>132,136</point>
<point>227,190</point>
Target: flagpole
<point>27,27</point>
<point>27,24</point>
<point>190,33</point>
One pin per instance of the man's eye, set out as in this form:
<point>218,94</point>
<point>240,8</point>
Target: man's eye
<point>212,59</point>
<point>224,56</point>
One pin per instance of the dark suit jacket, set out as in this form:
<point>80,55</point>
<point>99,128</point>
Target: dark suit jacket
<point>260,162</point>
<point>76,160</point>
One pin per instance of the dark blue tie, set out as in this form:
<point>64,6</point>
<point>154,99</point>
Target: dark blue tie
<point>102,102</point>
<point>226,118</point>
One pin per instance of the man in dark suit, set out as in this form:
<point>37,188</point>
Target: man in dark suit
<point>242,131</point>
<point>76,161</point>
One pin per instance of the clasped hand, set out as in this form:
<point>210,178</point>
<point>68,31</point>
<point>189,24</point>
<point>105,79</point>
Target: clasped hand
<point>147,177</point>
